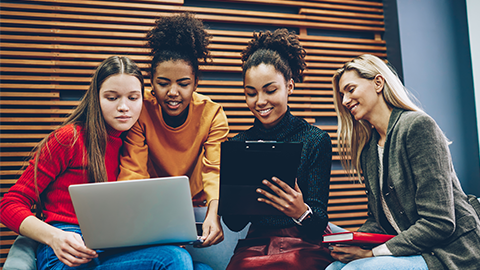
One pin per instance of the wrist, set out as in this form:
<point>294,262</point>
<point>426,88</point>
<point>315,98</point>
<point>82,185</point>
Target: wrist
<point>307,214</point>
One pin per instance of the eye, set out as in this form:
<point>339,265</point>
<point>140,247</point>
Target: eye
<point>271,91</point>
<point>133,98</point>
<point>184,84</point>
<point>162,84</point>
<point>251,94</point>
<point>111,98</point>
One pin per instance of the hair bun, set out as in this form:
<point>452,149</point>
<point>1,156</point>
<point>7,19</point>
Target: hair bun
<point>182,33</point>
<point>283,42</point>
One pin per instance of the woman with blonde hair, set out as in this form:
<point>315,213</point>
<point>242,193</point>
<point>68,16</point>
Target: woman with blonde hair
<point>403,158</point>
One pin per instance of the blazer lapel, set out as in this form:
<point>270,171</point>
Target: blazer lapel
<point>370,170</point>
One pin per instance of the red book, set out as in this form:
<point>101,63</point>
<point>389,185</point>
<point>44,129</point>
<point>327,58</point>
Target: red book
<point>363,239</point>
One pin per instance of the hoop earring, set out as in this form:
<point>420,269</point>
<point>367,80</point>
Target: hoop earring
<point>153,92</point>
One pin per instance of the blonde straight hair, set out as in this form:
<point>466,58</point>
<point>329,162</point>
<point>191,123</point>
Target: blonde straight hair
<point>354,134</point>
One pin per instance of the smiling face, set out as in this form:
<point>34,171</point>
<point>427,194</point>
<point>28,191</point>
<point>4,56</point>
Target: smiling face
<point>174,83</point>
<point>121,101</point>
<point>360,96</point>
<point>266,94</point>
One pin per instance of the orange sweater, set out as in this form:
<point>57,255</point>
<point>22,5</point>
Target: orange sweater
<point>154,149</point>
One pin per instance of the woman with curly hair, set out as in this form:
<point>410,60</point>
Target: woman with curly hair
<point>413,191</point>
<point>179,131</point>
<point>271,64</point>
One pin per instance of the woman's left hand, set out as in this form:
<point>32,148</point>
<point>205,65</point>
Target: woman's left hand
<point>212,228</point>
<point>346,254</point>
<point>288,200</point>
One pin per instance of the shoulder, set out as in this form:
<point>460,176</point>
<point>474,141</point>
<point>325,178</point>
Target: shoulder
<point>417,122</point>
<point>206,111</point>
<point>313,134</point>
<point>67,134</point>
<point>202,100</point>
<point>242,136</point>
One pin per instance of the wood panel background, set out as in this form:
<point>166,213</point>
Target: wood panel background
<point>50,48</point>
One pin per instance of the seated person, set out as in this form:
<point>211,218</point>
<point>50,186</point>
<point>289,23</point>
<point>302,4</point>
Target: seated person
<point>179,131</point>
<point>413,191</point>
<point>85,148</point>
<point>271,63</point>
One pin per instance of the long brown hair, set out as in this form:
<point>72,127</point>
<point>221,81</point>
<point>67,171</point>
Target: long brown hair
<point>88,114</point>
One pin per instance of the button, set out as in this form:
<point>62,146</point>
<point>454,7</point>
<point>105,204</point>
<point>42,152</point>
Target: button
<point>388,193</point>
<point>402,212</point>
<point>432,253</point>
<point>391,187</point>
<point>366,191</point>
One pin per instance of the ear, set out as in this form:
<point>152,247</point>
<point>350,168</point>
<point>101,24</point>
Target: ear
<point>379,82</point>
<point>196,84</point>
<point>290,86</point>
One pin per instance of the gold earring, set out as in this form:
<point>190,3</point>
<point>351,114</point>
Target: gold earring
<point>153,92</point>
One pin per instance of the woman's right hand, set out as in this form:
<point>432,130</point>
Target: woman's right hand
<point>70,249</point>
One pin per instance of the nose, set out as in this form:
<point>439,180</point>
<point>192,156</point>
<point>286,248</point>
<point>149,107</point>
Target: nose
<point>122,105</point>
<point>262,100</point>
<point>345,100</point>
<point>173,91</point>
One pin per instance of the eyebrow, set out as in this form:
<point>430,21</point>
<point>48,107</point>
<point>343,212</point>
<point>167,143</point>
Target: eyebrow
<point>345,87</point>
<point>265,86</point>
<point>115,92</point>
<point>179,80</point>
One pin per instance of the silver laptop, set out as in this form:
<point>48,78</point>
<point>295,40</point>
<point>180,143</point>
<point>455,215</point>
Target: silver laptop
<point>137,212</point>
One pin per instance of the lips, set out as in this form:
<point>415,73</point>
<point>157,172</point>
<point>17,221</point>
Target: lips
<point>173,104</point>
<point>353,108</point>
<point>265,112</point>
<point>123,118</point>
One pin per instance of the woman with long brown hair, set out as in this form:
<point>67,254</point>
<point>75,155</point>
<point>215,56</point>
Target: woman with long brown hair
<point>84,149</point>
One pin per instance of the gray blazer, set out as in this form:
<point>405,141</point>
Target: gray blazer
<point>423,194</point>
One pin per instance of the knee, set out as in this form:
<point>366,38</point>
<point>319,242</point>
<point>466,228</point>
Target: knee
<point>170,257</point>
<point>180,256</point>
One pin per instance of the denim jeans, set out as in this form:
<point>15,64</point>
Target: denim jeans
<point>152,257</point>
<point>383,263</point>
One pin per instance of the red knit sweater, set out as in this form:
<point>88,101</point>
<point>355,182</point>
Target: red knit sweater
<point>62,163</point>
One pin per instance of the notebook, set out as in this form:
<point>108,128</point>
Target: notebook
<point>244,165</point>
<point>137,212</point>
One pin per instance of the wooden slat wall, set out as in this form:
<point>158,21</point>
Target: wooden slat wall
<point>50,48</point>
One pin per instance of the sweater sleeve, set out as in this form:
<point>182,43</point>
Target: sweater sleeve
<point>133,161</point>
<point>316,184</point>
<point>211,158</point>
<point>54,159</point>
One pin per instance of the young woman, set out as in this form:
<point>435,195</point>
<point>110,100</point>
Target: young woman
<point>413,191</point>
<point>271,63</point>
<point>179,131</point>
<point>85,148</point>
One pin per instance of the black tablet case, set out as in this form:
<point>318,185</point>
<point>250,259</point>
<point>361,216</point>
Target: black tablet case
<point>244,165</point>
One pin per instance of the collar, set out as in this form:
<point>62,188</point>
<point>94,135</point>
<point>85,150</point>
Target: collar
<point>279,132</point>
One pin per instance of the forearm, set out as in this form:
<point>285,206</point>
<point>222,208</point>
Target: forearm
<point>38,230</point>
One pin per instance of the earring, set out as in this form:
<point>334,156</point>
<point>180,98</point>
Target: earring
<point>153,92</point>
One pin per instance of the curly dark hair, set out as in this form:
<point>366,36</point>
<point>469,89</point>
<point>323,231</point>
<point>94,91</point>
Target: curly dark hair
<point>281,49</point>
<point>178,37</point>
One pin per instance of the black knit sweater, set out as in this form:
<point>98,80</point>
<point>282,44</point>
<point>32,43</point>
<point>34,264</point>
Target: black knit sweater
<point>313,174</point>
